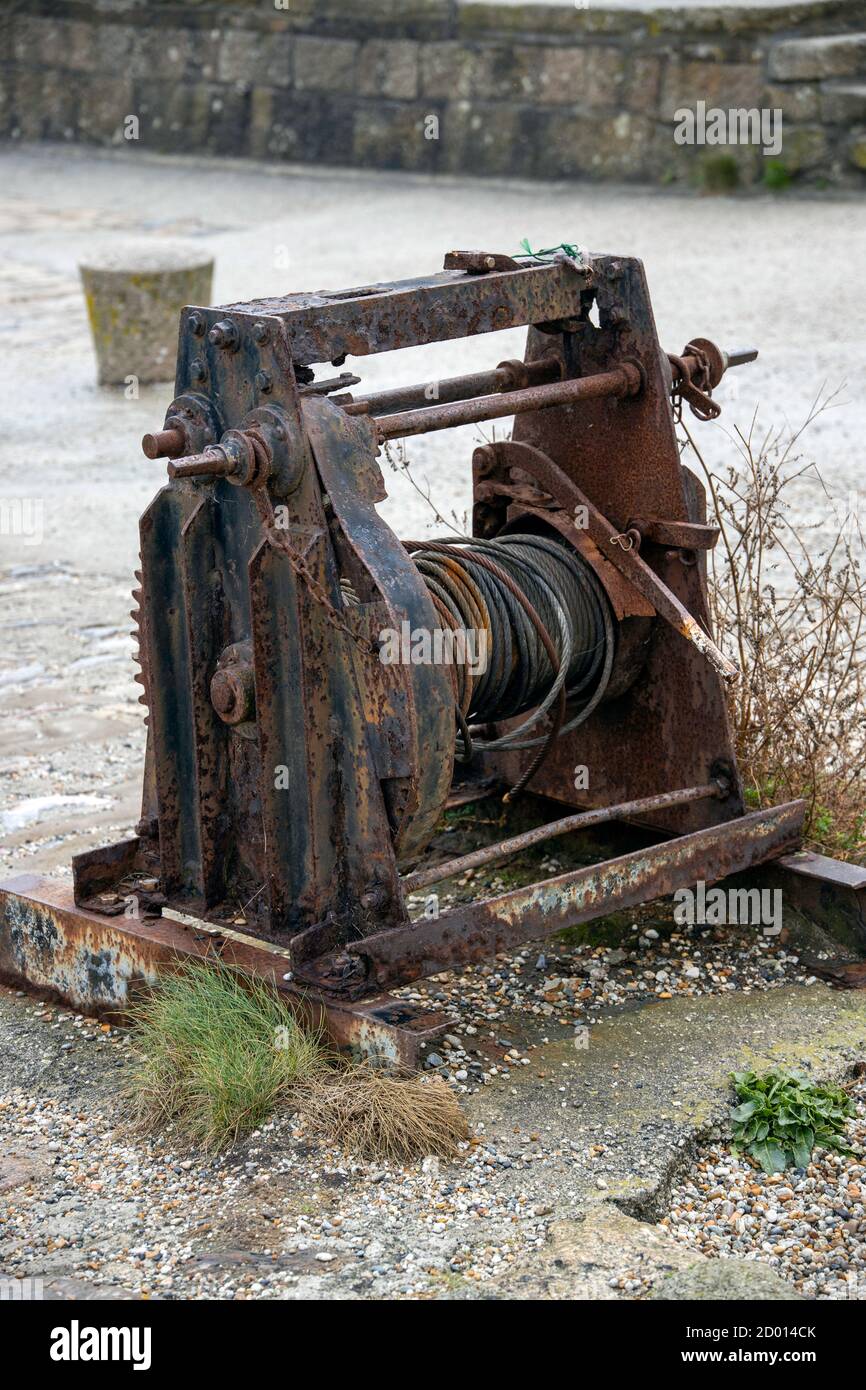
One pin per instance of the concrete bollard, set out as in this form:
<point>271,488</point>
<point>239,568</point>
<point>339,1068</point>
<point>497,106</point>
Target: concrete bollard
<point>134,293</point>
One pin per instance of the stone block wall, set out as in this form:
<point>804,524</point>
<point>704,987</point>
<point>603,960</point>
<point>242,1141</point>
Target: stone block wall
<point>456,86</point>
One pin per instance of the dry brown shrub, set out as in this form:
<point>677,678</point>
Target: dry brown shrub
<point>379,1114</point>
<point>789,605</point>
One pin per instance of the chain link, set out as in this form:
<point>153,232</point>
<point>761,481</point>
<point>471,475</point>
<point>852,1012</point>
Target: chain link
<point>696,389</point>
<point>302,571</point>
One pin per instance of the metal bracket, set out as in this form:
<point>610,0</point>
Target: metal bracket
<point>627,560</point>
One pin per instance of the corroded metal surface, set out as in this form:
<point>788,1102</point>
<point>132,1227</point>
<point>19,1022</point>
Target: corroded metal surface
<point>830,893</point>
<point>527,914</point>
<point>626,810</point>
<point>410,722</point>
<point>623,381</point>
<point>290,768</point>
<point>508,376</point>
<point>620,549</point>
<point>430,309</point>
<point>97,965</point>
<point>671,725</point>
<point>91,962</point>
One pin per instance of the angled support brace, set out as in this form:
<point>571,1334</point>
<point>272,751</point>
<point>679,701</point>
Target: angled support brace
<point>625,558</point>
<point>528,914</point>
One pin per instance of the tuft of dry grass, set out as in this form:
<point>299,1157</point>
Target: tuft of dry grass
<point>369,1111</point>
<point>788,601</point>
<point>217,1053</point>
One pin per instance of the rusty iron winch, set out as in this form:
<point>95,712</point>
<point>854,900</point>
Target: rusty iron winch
<point>294,776</point>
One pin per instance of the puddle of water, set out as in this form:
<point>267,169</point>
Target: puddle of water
<point>22,674</point>
<point>36,808</point>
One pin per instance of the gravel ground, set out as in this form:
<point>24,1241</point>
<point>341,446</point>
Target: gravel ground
<point>556,1136</point>
<point>502,1011</point>
<point>809,1225</point>
<point>95,1210</point>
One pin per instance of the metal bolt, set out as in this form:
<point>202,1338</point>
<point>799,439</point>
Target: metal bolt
<point>264,382</point>
<point>232,693</point>
<point>197,369</point>
<point>196,325</point>
<point>261,332</point>
<point>168,443</point>
<point>484,461</point>
<point>375,898</point>
<point>224,335</point>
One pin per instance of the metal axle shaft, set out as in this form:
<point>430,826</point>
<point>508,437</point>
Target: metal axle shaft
<point>581,821</point>
<point>623,381</point>
<point>508,376</point>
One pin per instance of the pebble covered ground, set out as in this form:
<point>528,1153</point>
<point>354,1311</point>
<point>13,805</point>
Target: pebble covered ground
<point>809,1225</point>
<point>505,1007</point>
<point>91,1207</point>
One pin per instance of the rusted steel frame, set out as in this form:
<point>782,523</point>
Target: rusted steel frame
<point>205,622</point>
<point>828,892</point>
<point>171,687</point>
<point>408,708</point>
<point>107,879</point>
<point>678,535</point>
<point>327,832</point>
<point>433,308</point>
<point>97,964</point>
<point>482,929</point>
<point>625,557</point>
<point>508,376</point>
<point>624,598</point>
<point>582,820</point>
<point>622,381</point>
<point>624,455</point>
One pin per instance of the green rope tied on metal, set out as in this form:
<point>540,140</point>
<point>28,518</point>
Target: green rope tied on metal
<point>565,251</point>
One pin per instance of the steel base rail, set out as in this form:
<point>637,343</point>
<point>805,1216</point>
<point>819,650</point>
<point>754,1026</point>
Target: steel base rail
<point>481,929</point>
<point>98,965</point>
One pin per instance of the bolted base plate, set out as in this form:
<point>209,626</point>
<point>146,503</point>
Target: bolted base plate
<point>96,964</point>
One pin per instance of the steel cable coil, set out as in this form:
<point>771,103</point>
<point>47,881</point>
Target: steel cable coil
<point>537,614</point>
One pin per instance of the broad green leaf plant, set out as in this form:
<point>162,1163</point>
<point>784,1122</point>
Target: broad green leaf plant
<point>782,1116</point>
